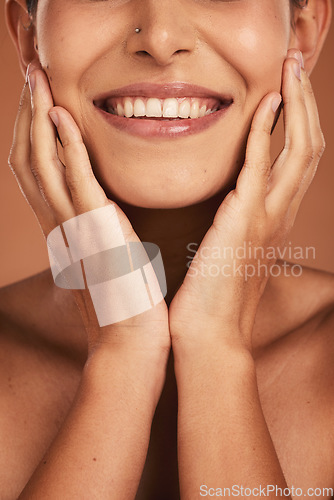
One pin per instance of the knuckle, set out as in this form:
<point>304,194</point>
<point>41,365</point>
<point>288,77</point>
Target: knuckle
<point>304,152</point>
<point>264,167</point>
<point>34,171</point>
<point>25,100</point>
<point>34,161</point>
<point>261,129</point>
<point>295,186</point>
<point>74,144</point>
<point>13,160</point>
<point>308,155</point>
<point>308,89</point>
<point>320,146</point>
<point>76,181</point>
<point>258,165</point>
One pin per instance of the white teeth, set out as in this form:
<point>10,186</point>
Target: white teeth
<point>120,109</point>
<point>158,108</point>
<point>184,109</point>
<point>194,110</point>
<point>171,108</point>
<point>202,111</point>
<point>153,108</point>
<point>128,107</point>
<point>139,108</point>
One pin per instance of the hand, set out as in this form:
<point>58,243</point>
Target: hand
<point>59,191</point>
<point>217,299</point>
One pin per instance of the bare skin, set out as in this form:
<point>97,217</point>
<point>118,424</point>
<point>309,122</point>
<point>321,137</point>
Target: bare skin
<point>235,360</point>
<point>43,357</point>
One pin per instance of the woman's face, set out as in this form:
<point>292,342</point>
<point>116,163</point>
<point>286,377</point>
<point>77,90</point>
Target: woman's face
<point>233,49</point>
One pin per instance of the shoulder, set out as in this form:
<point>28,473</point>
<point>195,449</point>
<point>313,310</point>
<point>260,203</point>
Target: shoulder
<point>39,373</point>
<point>294,334</point>
<point>37,313</point>
<point>295,372</point>
<point>42,342</point>
<point>26,304</point>
<point>292,302</point>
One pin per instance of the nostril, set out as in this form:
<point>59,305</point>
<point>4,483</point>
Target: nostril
<point>143,53</point>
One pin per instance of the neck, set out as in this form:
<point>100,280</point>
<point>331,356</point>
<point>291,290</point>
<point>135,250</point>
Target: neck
<point>173,230</point>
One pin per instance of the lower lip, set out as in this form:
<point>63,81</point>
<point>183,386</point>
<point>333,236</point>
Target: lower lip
<point>164,128</point>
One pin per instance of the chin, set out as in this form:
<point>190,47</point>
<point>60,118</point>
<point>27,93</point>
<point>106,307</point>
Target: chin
<point>162,198</point>
<point>160,184</point>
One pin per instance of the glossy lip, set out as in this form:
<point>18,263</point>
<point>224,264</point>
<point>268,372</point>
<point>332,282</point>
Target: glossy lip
<point>162,91</point>
<point>161,127</point>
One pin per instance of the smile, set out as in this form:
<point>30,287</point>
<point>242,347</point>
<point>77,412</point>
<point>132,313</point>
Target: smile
<point>169,110</point>
<point>152,107</point>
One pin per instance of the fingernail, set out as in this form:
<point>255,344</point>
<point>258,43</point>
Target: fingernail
<point>31,67</point>
<point>296,70</point>
<point>300,58</point>
<point>54,117</point>
<point>276,102</point>
<point>32,82</point>
<point>28,71</point>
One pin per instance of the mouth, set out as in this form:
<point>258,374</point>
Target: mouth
<point>171,108</point>
<point>177,106</point>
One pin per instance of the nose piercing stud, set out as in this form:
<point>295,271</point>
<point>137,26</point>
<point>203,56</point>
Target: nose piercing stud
<point>137,30</point>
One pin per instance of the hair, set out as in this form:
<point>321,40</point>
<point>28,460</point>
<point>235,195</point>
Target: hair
<point>31,6</point>
<point>295,4</point>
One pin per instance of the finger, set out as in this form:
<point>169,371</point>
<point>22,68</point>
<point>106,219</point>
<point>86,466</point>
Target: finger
<point>317,137</point>
<point>313,114</point>
<point>253,178</point>
<point>291,166</point>
<point>46,166</point>
<point>86,192</point>
<point>19,162</point>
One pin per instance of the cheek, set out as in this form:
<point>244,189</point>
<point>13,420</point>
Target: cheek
<point>259,61</point>
<point>247,39</point>
<point>69,44</point>
<point>259,36</point>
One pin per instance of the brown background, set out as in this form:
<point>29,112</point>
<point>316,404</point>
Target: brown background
<point>23,250</point>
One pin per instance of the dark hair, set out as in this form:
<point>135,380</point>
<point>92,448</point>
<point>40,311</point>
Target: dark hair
<point>31,6</point>
<point>298,4</point>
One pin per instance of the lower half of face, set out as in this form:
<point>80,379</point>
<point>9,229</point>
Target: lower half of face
<point>164,113</point>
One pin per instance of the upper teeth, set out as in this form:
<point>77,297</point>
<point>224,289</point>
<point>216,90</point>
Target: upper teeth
<point>168,108</point>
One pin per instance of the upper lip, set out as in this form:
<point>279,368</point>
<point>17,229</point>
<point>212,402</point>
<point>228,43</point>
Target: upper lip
<point>162,91</point>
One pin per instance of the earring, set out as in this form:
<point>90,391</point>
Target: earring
<point>27,28</point>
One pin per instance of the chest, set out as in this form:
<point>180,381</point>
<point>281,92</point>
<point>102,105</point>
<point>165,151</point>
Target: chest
<point>294,399</point>
<point>297,404</point>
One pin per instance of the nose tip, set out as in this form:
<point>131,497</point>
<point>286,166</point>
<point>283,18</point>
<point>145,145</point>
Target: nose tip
<point>163,36</point>
<point>161,45</point>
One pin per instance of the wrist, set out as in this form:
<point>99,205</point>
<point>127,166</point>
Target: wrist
<point>228,339</point>
<point>146,335</point>
<point>126,365</point>
<point>203,355</point>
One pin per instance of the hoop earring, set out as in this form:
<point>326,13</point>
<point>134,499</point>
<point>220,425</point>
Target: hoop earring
<point>27,28</point>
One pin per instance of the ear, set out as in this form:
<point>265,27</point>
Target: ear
<point>311,27</point>
<point>22,31</point>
